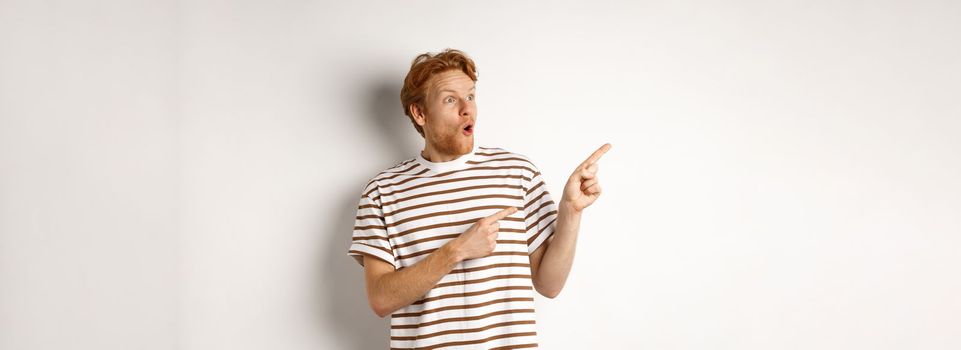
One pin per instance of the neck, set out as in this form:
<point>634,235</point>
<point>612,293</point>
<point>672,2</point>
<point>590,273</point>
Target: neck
<point>436,155</point>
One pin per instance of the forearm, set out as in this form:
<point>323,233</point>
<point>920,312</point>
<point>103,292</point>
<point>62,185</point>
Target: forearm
<point>403,287</point>
<point>558,258</point>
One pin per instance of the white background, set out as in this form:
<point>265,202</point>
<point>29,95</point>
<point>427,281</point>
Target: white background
<point>184,174</point>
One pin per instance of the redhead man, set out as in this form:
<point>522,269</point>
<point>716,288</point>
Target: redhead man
<point>455,241</point>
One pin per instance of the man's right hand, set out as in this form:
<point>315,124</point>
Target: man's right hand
<point>481,238</point>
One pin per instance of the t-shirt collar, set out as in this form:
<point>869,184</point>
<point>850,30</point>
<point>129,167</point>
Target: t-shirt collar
<point>454,164</point>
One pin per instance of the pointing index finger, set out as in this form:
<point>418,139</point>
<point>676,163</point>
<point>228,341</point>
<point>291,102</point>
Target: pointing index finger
<point>597,154</point>
<point>502,214</point>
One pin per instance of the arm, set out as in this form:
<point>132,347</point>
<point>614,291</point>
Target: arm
<point>551,262</point>
<point>389,290</point>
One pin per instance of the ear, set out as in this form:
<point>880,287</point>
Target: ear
<point>418,114</point>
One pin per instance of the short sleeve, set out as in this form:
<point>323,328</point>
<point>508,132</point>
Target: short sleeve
<point>370,231</point>
<point>541,212</point>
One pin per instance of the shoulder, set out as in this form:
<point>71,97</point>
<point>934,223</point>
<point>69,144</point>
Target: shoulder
<point>407,167</point>
<point>503,156</point>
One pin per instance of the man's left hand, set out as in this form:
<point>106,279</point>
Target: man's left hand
<point>582,187</point>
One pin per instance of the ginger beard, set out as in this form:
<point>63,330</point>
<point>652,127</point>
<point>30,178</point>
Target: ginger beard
<point>450,139</point>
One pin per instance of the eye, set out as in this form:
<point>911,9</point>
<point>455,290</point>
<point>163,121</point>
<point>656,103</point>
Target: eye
<point>449,100</point>
<point>470,97</point>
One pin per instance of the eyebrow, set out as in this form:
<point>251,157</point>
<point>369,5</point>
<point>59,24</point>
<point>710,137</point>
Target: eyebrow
<point>471,89</point>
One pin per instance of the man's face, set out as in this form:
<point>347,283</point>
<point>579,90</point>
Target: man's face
<point>448,121</point>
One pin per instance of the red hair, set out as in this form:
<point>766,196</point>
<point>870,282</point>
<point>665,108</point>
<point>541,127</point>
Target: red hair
<point>419,79</point>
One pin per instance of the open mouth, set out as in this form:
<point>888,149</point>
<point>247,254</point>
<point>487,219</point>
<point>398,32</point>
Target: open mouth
<point>469,129</point>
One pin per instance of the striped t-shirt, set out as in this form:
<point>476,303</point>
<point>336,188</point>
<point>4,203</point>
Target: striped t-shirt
<point>411,209</point>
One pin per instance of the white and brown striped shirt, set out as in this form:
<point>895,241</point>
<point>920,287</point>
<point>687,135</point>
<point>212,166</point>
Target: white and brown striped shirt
<point>415,207</point>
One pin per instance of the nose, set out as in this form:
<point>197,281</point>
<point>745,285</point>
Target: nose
<point>467,109</point>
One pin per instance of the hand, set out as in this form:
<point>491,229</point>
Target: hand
<point>582,187</point>
<point>481,238</point>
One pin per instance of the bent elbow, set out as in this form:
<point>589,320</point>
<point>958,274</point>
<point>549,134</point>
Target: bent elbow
<point>379,309</point>
<point>548,293</point>
<point>381,312</point>
<point>551,295</point>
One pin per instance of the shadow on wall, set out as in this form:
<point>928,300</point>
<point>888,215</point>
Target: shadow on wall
<point>386,115</point>
<point>342,279</point>
<point>345,309</point>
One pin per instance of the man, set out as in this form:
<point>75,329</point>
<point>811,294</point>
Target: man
<point>455,240</point>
